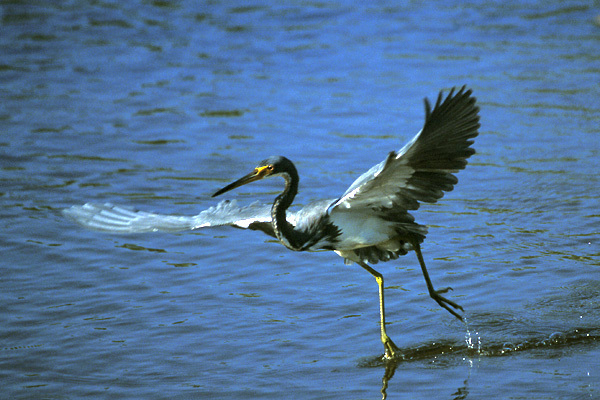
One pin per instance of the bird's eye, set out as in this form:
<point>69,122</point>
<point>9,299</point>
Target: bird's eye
<point>270,167</point>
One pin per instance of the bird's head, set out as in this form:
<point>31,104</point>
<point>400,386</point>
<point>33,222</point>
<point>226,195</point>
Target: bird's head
<point>272,166</point>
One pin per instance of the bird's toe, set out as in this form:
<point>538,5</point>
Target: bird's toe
<point>444,290</point>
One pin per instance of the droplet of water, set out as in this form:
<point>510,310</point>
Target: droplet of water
<point>507,347</point>
<point>557,337</point>
<point>470,341</point>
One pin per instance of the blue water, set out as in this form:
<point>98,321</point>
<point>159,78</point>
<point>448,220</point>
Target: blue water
<point>157,104</point>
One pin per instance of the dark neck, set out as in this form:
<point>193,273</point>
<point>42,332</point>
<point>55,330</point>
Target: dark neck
<point>285,232</point>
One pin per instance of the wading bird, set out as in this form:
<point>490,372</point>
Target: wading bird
<point>370,222</point>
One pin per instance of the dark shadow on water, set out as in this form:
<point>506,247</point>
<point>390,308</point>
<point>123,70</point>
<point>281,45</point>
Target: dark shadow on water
<point>469,349</point>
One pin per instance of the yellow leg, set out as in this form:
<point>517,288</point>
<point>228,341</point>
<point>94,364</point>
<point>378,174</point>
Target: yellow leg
<point>390,348</point>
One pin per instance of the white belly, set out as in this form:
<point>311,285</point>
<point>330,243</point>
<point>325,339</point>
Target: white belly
<point>362,230</point>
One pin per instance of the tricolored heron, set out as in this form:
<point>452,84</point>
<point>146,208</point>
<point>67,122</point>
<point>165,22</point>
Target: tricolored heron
<point>370,222</point>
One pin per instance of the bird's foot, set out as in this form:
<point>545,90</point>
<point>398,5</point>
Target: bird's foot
<point>445,303</point>
<point>391,350</point>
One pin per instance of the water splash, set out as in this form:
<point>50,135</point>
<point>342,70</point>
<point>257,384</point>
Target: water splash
<point>472,345</point>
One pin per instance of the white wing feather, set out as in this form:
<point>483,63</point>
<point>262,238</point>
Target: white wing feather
<point>111,218</point>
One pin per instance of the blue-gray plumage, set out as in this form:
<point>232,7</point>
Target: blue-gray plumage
<point>367,224</point>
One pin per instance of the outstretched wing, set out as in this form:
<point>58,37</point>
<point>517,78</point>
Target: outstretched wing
<point>423,169</point>
<point>110,218</point>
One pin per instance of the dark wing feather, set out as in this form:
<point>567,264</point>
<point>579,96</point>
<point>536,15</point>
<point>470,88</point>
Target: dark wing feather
<point>423,169</point>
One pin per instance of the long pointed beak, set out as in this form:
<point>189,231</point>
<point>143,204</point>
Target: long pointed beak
<point>257,174</point>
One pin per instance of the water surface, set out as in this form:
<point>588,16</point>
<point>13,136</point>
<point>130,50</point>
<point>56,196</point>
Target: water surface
<point>157,104</point>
